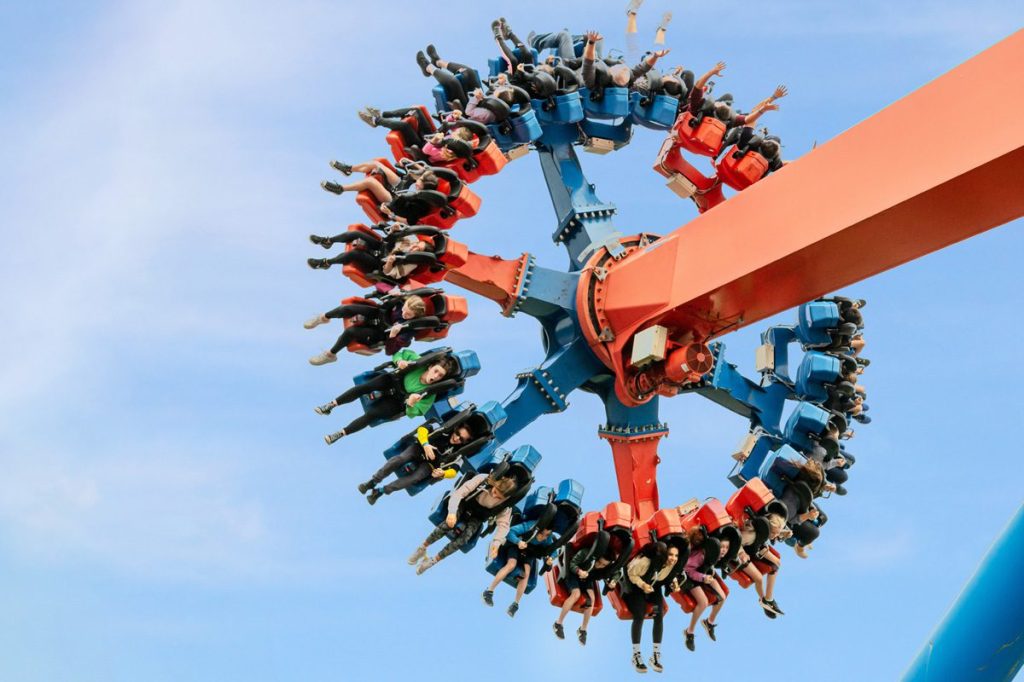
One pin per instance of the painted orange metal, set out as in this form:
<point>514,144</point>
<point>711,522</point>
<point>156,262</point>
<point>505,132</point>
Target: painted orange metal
<point>910,180</point>
<point>492,277</point>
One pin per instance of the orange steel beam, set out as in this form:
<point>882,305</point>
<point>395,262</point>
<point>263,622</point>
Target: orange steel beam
<point>492,277</point>
<point>914,178</point>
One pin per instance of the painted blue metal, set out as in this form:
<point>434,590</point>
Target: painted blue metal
<point>981,639</point>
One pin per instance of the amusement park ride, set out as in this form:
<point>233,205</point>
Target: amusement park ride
<point>636,316</point>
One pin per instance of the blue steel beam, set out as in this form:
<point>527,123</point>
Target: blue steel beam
<point>981,639</point>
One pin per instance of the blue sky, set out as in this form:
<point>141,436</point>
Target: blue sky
<point>167,508</point>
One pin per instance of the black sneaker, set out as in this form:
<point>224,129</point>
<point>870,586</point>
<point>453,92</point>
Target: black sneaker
<point>512,609</point>
<point>710,627</point>
<point>767,606</point>
<point>775,608</point>
<point>364,487</point>
<point>318,263</point>
<point>432,53</point>
<point>557,627</point>
<point>332,187</point>
<point>423,62</point>
<point>374,495</point>
<point>581,635</point>
<point>322,241</point>
<point>689,641</point>
<point>655,661</point>
<point>638,662</point>
<point>488,597</point>
<point>324,409</point>
<point>343,168</point>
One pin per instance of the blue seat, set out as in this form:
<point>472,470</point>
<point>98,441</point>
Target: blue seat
<point>752,465</point>
<point>614,103</point>
<point>807,419</point>
<point>784,462</point>
<point>526,456</point>
<point>561,109</point>
<point>517,130</point>
<point>658,114</point>
<point>815,370</point>
<point>620,133</point>
<point>441,97</point>
<point>815,319</point>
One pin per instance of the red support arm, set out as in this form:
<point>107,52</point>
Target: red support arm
<point>912,179</point>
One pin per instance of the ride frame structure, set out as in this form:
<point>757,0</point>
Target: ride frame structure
<point>754,256</point>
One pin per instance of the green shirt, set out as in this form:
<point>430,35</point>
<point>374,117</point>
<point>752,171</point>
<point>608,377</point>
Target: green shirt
<point>412,383</point>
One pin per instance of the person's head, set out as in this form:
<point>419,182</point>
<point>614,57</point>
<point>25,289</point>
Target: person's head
<point>659,552</point>
<point>770,148</point>
<point>724,548</point>
<point>438,371</point>
<point>503,486</point>
<point>723,111</point>
<point>461,435</point>
<point>775,525</point>
<point>673,556</point>
<point>812,474</point>
<point>620,75</point>
<point>695,536</point>
<point>426,180</point>
<point>463,133</point>
<point>543,535</point>
<point>602,562</point>
<point>413,307</point>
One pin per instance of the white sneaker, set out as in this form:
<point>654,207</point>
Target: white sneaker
<point>323,358</point>
<point>424,565</point>
<point>315,321</point>
<point>417,555</point>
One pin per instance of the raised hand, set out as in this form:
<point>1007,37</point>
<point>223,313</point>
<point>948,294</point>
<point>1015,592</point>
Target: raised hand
<point>780,92</point>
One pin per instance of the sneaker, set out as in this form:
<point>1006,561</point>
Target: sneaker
<point>367,118</point>
<point>581,635</point>
<point>315,321</point>
<point>634,6</point>
<point>512,609</point>
<point>374,495</point>
<point>418,554</point>
<point>710,627</point>
<point>332,187</point>
<point>318,263</point>
<point>324,409</point>
<point>638,662</point>
<point>333,438</point>
<point>423,62</point>
<point>322,358</point>
<point>769,607</point>
<point>557,627</point>
<point>488,597</point>
<point>365,487</point>
<point>343,168</point>
<point>432,53</point>
<point>655,661</point>
<point>372,111</point>
<point>775,608</point>
<point>322,241</point>
<point>496,29</point>
<point>689,641</point>
<point>425,564</point>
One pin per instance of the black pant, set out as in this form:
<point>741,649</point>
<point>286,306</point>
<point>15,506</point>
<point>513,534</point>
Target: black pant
<point>637,601</point>
<point>370,333</point>
<point>454,90</point>
<point>390,405</point>
<point>412,454</point>
<point>525,52</point>
<point>365,260</point>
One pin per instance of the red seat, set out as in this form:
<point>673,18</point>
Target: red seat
<point>558,593</point>
<point>398,144</point>
<point>704,138</point>
<point>353,272</point>
<point>754,494</point>
<point>742,172</point>
<point>711,515</point>
<point>454,309</point>
<point>663,522</point>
